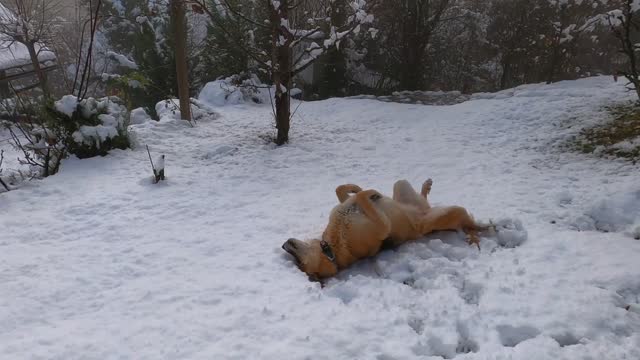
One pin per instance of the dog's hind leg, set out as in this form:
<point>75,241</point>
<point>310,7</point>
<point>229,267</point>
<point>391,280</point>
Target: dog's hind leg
<point>426,188</point>
<point>375,233</point>
<point>344,191</point>
<point>404,193</point>
<point>451,218</point>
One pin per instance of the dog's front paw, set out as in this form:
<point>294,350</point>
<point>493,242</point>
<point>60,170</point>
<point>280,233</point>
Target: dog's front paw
<point>473,239</point>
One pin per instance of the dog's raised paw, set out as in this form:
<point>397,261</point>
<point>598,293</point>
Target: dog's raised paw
<point>426,187</point>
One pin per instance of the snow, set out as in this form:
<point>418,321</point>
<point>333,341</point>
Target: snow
<point>98,262</point>
<point>614,213</point>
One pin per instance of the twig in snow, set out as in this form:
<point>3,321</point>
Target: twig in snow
<point>152,167</point>
<point>158,172</point>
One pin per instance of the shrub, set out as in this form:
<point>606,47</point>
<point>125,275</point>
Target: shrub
<point>90,127</point>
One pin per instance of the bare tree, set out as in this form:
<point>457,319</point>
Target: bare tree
<point>625,24</point>
<point>31,23</point>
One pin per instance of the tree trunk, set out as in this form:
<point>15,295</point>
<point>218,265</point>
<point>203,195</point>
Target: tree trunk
<point>282,82</point>
<point>182,68</point>
<point>553,62</point>
<point>282,117</point>
<point>281,73</point>
<point>332,80</point>
<point>506,74</point>
<point>414,42</point>
<point>4,86</point>
<point>411,78</point>
<point>42,77</point>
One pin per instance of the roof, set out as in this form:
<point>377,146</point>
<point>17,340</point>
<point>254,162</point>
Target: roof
<point>13,54</point>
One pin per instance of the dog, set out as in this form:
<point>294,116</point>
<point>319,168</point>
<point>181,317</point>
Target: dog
<point>365,221</point>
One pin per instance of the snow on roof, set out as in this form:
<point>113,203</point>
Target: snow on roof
<point>13,54</point>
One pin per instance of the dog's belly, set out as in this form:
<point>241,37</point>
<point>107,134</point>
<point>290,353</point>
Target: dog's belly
<point>402,228</point>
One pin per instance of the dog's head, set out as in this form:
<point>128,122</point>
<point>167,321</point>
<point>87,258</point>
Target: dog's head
<point>311,258</point>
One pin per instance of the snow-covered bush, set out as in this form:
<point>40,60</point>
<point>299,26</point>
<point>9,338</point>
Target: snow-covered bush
<point>91,126</point>
<point>138,116</point>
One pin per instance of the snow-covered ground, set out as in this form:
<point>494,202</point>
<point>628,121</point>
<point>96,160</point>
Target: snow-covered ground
<point>99,263</point>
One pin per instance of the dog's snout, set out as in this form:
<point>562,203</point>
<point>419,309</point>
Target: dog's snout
<point>291,247</point>
<point>291,242</point>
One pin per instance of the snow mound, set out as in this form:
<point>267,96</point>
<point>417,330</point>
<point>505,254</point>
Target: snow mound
<point>618,213</point>
<point>234,90</point>
<point>510,233</point>
<point>138,116</point>
<point>169,110</point>
<point>220,93</point>
<point>220,151</point>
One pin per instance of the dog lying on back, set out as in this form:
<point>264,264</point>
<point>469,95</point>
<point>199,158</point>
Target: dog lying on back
<point>365,220</point>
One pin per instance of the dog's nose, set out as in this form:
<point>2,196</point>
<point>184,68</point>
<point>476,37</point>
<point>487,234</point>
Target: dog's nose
<point>290,246</point>
<point>292,242</point>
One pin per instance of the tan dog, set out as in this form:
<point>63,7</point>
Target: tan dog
<point>362,223</point>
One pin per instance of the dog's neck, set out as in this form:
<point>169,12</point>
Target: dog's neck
<point>328,252</point>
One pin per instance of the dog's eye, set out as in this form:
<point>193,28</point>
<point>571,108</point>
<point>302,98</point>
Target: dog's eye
<point>375,197</point>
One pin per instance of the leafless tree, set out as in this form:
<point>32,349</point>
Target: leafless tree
<point>625,24</point>
<point>33,24</point>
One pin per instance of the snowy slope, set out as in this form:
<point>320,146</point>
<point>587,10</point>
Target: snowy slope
<point>98,263</point>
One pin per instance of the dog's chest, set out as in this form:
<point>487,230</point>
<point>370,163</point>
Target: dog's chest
<point>348,209</point>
